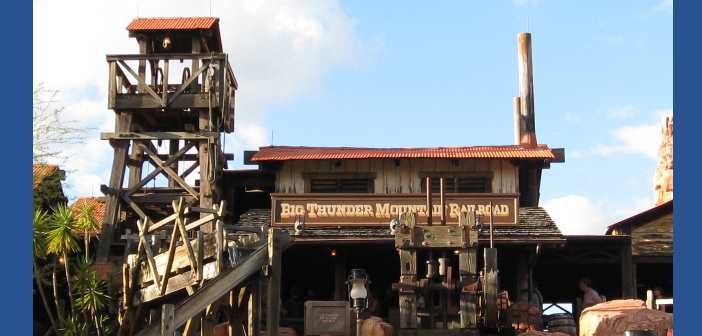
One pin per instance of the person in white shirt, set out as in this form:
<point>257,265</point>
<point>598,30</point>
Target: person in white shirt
<point>591,297</point>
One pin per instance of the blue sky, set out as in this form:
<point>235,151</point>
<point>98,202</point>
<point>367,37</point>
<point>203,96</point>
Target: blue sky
<point>407,74</point>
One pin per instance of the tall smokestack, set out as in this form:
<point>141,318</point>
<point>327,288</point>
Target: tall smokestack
<point>526,92</point>
<point>517,121</point>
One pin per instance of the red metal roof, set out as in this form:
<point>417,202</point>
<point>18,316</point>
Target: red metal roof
<point>39,171</point>
<point>282,153</point>
<point>172,23</point>
<point>98,214</point>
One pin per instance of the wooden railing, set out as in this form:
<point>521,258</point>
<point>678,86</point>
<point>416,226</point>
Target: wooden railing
<point>207,81</point>
<point>161,271</point>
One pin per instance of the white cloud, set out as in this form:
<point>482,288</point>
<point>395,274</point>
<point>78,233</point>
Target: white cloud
<point>644,139</point>
<point>279,51</point>
<point>666,5</point>
<point>577,215</point>
<point>621,113</point>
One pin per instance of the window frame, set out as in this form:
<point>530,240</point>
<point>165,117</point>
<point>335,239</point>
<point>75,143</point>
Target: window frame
<point>487,176</point>
<point>308,177</point>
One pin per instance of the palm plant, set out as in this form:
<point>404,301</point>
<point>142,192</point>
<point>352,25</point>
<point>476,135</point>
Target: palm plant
<point>39,225</point>
<point>74,327</point>
<point>62,240</point>
<point>92,290</point>
<point>87,223</point>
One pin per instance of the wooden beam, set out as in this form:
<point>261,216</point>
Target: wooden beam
<point>206,169</point>
<point>273,285</point>
<point>144,244</point>
<point>171,249</point>
<point>140,81</point>
<point>167,326</point>
<point>124,123</point>
<point>254,319</point>
<point>127,135</point>
<point>217,288</point>
<point>167,56</point>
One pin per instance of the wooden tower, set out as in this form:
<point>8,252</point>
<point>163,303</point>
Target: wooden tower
<point>173,103</point>
<point>173,260</point>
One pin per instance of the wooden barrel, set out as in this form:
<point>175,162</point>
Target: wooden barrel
<point>562,323</point>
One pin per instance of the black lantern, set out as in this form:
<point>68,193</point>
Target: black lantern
<point>358,294</point>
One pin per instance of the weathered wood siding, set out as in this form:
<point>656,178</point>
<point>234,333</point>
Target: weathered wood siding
<point>654,239</point>
<point>397,176</point>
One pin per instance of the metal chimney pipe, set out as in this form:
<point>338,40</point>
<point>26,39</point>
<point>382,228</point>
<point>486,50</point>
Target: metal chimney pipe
<point>526,91</point>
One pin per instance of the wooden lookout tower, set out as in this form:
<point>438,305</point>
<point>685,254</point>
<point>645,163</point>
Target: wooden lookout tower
<point>163,115</point>
<point>165,237</point>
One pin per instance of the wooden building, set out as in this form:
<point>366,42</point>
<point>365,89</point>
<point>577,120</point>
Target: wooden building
<point>650,248</point>
<point>348,197</point>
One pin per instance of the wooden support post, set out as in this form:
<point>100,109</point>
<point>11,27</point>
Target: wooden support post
<point>124,124</point>
<point>628,282</point>
<point>430,207</point>
<point>136,163</point>
<point>167,327</point>
<point>173,146</point>
<point>200,254</point>
<point>273,286</point>
<point>206,170</point>
<point>221,246</point>
<point>467,270</point>
<point>408,300</point>
<point>254,310</point>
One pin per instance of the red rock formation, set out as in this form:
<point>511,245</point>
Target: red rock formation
<point>663,180</point>
<point>616,316</point>
<point>375,326</point>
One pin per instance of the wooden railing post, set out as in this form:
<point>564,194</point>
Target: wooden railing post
<point>167,327</point>
<point>273,303</point>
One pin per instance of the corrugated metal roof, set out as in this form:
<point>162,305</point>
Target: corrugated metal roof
<point>39,171</point>
<point>281,153</point>
<point>98,214</point>
<point>172,23</point>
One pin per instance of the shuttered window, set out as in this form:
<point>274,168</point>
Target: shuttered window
<point>459,184</point>
<point>339,182</point>
<point>341,186</point>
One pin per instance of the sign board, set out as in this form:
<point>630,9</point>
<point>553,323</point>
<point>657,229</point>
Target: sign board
<point>327,318</point>
<point>379,209</point>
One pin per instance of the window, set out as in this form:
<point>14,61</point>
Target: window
<point>339,182</point>
<point>459,182</point>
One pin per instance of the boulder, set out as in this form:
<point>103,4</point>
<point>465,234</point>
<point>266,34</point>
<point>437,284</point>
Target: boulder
<point>616,316</point>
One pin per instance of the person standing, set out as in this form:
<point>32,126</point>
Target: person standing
<point>590,297</point>
<point>536,298</point>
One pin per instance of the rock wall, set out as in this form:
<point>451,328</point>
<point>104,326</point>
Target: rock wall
<point>663,179</point>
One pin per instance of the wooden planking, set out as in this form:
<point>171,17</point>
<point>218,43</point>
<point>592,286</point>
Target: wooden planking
<point>397,179</point>
<point>284,178</point>
<point>495,166</point>
<point>350,166</point>
<point>510,176</point>
<point>299,183</point>
<point>405,179</point>
<point>654,238</point>
<point>180,260</point>
<point>214,290</point>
